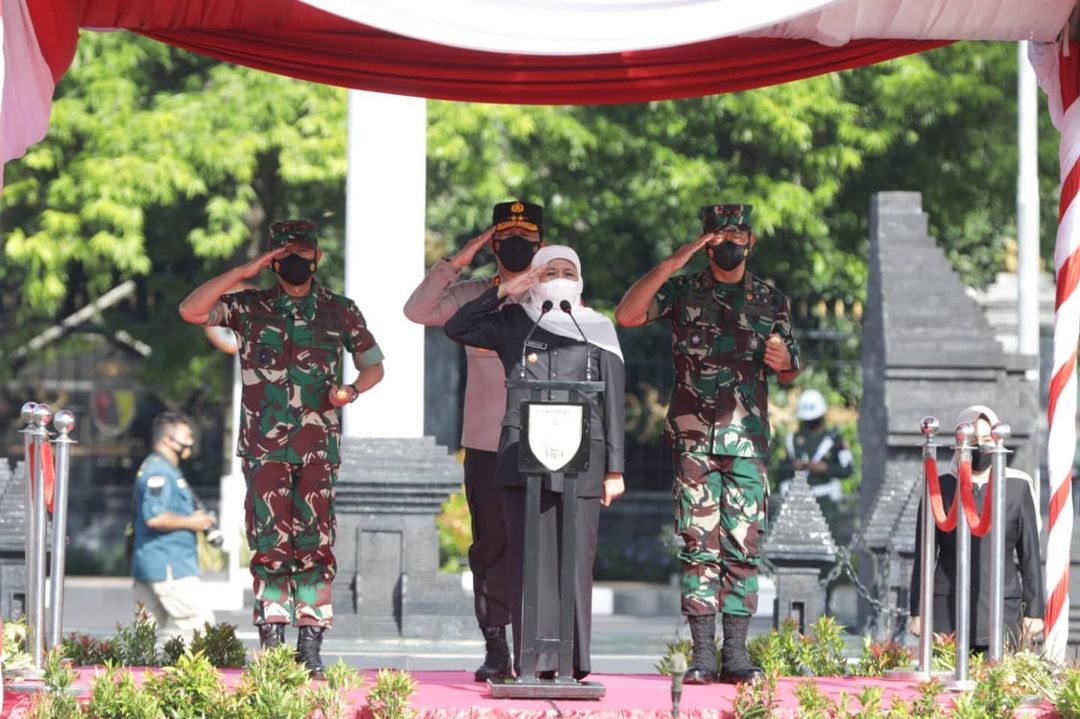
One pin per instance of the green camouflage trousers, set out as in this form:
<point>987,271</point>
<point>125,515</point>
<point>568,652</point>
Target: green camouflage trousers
<point>289,515</point>
<point>720,516</point>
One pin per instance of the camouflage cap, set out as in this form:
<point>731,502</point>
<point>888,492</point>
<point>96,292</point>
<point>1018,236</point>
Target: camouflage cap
<point>302,232</point>
<point>716,216</point>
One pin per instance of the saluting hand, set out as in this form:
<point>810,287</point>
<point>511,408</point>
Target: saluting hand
<point>255,266</point>
<point>777,357</point>
<point>520,284</point>
<point>465,255</point>
<point>682,255</point>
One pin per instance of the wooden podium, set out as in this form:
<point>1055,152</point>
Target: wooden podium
<point>554,441</point>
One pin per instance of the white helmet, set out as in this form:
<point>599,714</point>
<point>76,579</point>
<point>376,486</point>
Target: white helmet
<point>811,405</point>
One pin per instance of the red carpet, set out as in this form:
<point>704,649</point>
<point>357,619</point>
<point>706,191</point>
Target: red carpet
<point>453,695</point>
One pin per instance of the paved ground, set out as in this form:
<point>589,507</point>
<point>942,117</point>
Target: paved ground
<point>622,643</point>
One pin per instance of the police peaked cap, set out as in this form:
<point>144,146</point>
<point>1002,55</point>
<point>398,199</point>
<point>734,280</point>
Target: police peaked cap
<point>716,216</point>
<point>518,214</point>
<point>301,232</point>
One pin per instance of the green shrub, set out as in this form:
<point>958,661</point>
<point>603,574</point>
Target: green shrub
<point>822,651</point>
<point>14,656</point>
<point>679,646</point>
<point>172,650</point>
<point>84,650</point>
<point>190,690</point>
<point>113,695</point>
<point>218,643</point>
<point>880,657</point>
<point>57,701</point>
<point>329,699</point>
<point>756,699</point>
<point>274,686</point>
<point>389,697</point>
<point>136,643</point>
<point>1067,698</point>
<point>455,533</point>
<point>778,652</point>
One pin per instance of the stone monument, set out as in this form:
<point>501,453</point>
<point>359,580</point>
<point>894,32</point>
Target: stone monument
<point>927,350</point>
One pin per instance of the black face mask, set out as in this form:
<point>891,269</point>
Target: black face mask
<point>294,269</point>
<point>727,255</point>
<point>515,252</point>
<point>184,451</point>
<point>981,457</point>
<point>813,424</point>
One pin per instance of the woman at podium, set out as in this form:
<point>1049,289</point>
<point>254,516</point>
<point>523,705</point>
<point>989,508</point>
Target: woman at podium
<point>551,336</point>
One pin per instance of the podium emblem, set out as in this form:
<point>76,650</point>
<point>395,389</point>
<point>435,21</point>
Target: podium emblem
<point>555,433</point>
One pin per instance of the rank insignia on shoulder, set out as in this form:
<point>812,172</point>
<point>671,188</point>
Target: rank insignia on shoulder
<point>696,339</point>
<point>754,342</point>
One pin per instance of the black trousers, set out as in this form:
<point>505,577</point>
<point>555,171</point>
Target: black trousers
<point>488,551</point>
<point>588,519</point>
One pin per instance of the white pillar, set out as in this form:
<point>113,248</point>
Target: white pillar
<point>384,254</point>
<point>1027,206</point>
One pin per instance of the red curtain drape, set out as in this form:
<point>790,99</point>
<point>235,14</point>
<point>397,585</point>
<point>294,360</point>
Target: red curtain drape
<point>290,38</point>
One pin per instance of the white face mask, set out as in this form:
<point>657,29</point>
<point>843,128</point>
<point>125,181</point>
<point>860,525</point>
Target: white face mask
<point>558,290</point>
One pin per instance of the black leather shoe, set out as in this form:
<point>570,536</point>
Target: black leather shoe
<point>496,664</point>
<point>702,669</point>
<point>308,646</point>
<point>271,635</point>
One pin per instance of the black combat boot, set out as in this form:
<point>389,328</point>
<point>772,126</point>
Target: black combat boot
<point>702,669</point>
<point>308,645</point>
<point>496,656</point>
<point>271,635</point>
<point>735,666</point>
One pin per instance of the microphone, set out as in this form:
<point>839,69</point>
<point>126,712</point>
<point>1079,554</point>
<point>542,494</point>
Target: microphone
<point>678,669</point>
<point>565,307</point>
<point>544,309</point>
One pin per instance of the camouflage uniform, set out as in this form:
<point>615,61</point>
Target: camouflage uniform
<point>290,356</point>
<point>718,427</point>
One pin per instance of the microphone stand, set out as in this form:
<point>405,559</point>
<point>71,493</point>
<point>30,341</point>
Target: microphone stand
<point>544,309</point>
<point>565,307</point>
<point>678,669</point>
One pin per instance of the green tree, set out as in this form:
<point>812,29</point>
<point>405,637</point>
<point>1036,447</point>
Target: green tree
<point>166,167</point>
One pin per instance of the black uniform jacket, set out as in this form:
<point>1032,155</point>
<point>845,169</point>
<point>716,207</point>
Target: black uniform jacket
<point>480,323</point>
<point>1023,568</point>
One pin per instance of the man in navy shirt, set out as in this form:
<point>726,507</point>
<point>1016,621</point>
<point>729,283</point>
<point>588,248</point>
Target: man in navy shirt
<point>165,564</point>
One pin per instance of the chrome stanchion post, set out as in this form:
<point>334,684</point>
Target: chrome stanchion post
<point>1000,432</point>
<point>965,433</point>
<point>928,558</point>
<point>27,416</point>
<point>36,631</point>
<point>64,423</point>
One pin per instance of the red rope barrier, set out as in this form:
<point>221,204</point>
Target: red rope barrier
<point>978,521</point>
<point>49,472</point>
<point>946,523</point>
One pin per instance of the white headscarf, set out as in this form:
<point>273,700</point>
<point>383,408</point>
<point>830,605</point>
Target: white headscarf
<point>971,415</point>
<point>598,330</point>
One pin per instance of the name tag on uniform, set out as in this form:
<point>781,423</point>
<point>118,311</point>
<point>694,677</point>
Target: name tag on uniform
<point>536,345</point>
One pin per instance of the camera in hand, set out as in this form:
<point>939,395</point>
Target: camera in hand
<point>214,537</point>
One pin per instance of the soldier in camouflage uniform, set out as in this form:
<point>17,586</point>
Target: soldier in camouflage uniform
<point>728,331</point>
<point>291,337</point>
